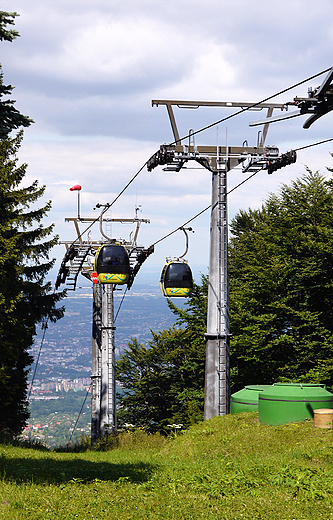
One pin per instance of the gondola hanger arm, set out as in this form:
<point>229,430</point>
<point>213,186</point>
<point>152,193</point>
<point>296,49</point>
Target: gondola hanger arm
<point>186,235</point>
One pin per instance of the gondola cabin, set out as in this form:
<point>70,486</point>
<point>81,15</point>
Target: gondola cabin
<point>112,264</point>
<point>176,279</point>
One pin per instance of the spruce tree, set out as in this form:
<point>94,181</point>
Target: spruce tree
<point>25,298</point>
<point>10,117</point>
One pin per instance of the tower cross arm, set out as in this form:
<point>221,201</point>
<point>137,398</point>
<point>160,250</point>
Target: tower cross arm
<point>169,103</point>
<point>227,104</point>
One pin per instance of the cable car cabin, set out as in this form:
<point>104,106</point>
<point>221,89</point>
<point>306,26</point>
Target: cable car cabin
<point>176,279</point>
<point>112,264</point>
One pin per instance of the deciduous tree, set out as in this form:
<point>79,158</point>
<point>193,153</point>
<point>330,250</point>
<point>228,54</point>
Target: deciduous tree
<point>281,311</point>
<point>163,380</point>
<point>281,286</point>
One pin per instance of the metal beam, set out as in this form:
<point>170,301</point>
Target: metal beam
<point>265,129</point>
<point>92,219</point>
<point>169,103</point>
<point>173,123</point>
<point>227,104</point>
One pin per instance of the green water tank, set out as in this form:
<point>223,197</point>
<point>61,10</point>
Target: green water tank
<point>282,403</point>
<point>246,400</point>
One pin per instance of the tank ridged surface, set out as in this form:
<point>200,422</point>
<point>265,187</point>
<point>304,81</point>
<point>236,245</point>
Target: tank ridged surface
<point>247,399</point>
<point>292,402</point>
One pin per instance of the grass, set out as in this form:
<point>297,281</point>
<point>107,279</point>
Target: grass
<point>226,468</point>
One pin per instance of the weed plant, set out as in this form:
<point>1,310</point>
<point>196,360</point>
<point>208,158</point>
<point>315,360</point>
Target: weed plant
<point>226,468</point>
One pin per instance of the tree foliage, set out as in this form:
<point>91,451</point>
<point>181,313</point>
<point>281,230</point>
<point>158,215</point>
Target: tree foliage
<point>281,286</point>
<point>25,244</point>
<point>10,117</point>
<point>163,380</point>
<point>6,19</point>
<point>25,299</point>
<point>281,311</point>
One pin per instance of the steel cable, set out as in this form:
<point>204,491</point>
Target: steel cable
<point>245,109</point>
<point>110,204</point>
<point>78,417</point>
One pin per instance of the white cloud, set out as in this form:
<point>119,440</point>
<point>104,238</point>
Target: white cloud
<point>86,72</point>
<point>110,51</point>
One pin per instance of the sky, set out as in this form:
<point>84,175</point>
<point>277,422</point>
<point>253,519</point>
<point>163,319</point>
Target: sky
<point>86,73</point>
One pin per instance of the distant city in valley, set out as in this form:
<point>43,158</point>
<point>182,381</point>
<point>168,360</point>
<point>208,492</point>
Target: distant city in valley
<point>62,378</point>
<point>66,348</point>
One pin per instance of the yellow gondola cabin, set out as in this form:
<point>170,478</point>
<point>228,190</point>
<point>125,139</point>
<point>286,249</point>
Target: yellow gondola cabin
<point>176,279</point>
<point>112,264</point>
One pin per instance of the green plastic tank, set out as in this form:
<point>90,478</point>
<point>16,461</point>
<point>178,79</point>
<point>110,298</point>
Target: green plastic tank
<point>246,400</point>
<point>282,403</point>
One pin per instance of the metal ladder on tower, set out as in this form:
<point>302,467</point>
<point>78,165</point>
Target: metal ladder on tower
<point>255,165</point>
<point>111,361</point>
<point>76,265</point>
<point>223,307</point>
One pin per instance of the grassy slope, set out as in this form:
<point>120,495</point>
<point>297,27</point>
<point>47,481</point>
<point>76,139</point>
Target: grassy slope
<point>226,468</point>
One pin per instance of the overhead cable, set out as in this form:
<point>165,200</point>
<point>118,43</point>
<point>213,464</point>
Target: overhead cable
<point>313,144</point>
<point>120,304</point>
<point>44,326</point>
<point>233,189</point>
<point>110,204</point>
<point>203,211</point>
<point>250,107</point>
<point>78,417</point>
